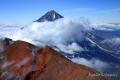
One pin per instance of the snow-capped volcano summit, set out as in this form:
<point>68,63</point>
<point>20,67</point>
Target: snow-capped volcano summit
<point>49,16</point>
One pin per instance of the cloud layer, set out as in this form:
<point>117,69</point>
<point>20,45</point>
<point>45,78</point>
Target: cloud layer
<point>62,31</point>
<point>93,63</point>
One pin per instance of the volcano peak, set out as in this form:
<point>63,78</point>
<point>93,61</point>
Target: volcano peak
<point>51,15</point>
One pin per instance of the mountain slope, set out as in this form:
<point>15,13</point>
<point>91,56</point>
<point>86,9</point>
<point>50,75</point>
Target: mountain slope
<point>26,61</point>
<point>49,16</point>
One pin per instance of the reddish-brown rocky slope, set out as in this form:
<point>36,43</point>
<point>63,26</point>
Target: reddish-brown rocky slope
<point>25,61</point>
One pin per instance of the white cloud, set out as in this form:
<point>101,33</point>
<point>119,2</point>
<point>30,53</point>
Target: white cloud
<point>93,63</point>
<point>106,26</point>
<point>62,31</point>
<point>70,48</point>
<point>113,41</point>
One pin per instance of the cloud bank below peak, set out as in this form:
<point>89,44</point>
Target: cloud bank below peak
<point>61,31</point>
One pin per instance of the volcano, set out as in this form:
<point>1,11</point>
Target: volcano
<point>50,16</point>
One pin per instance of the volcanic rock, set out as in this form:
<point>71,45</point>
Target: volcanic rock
<point>25,61</point>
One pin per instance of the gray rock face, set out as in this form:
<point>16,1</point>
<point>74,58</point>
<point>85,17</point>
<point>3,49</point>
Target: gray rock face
<point>4,43</point>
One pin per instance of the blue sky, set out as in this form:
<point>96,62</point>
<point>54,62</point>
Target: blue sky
<point>26,11</point>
